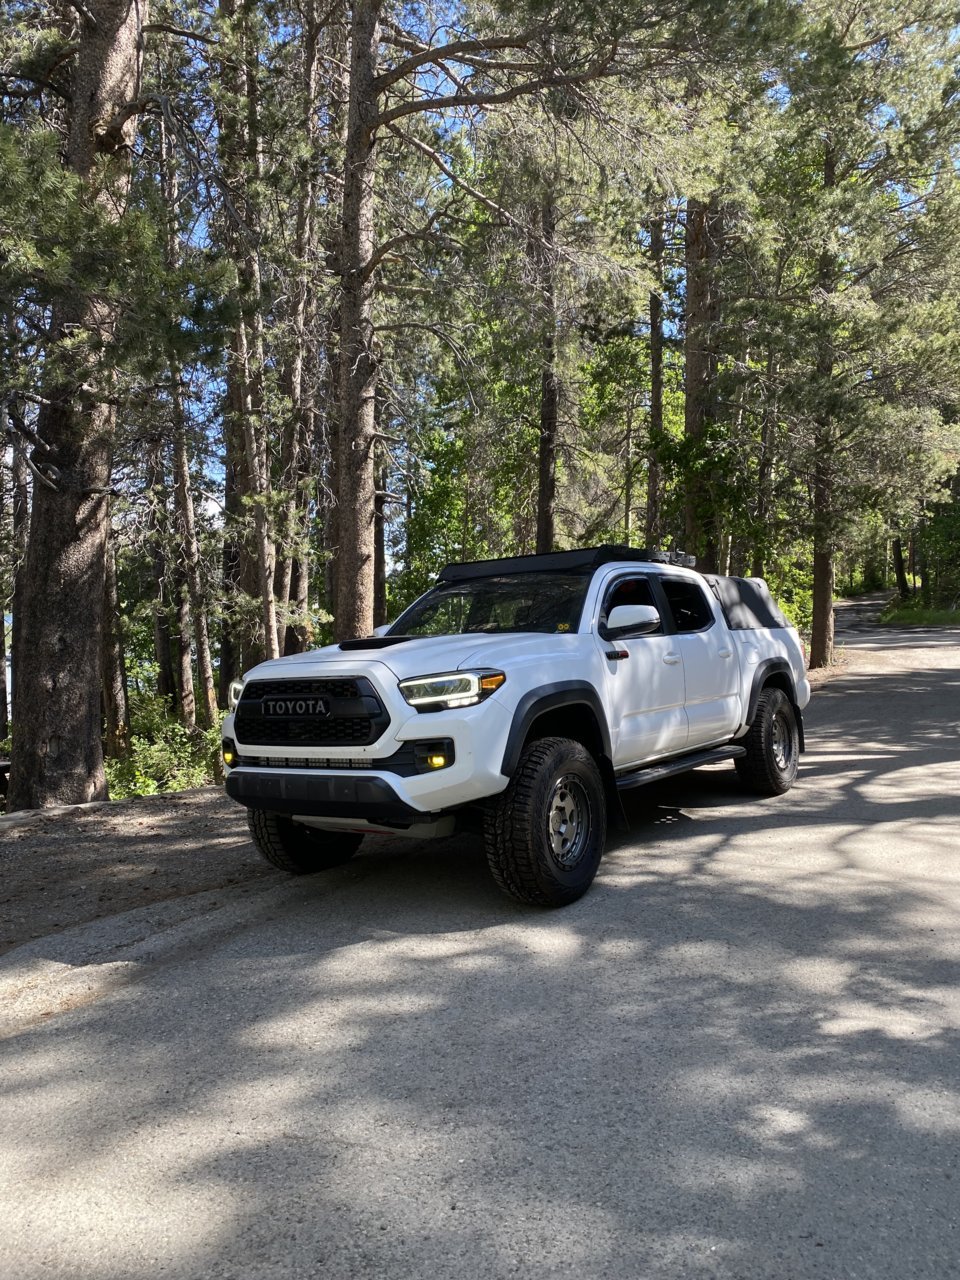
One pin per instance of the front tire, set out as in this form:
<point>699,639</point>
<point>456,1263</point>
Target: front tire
<point>773,746</point>
<point>299,850</point>
<point>544,835</point>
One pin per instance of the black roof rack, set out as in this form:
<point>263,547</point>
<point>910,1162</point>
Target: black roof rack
<point>583,560</point>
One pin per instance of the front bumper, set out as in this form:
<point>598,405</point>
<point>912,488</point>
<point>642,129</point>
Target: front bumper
<point>311,794</point>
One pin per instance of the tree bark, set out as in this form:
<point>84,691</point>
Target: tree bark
<point>549,383</point>
<point>653,531</point>
<point>188,701</point>
<point>234,628</point>
<point>156,542</point>
<point>191,556</point>
<point>380,555</point>
<point>824,443</point>
<point>4,717</point>
<point>701,313</point>
<point>58,752</point>
<point>357,357</point>
<point>297,427</point>
<point>899,569</point>
<point>113,668</point>
<point>20,521</point>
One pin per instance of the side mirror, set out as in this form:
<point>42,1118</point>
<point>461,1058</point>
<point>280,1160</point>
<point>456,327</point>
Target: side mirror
<point>633,619</point>
<point>382,629</point>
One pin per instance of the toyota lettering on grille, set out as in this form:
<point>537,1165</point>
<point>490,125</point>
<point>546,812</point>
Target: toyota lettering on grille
<point>296,707</point>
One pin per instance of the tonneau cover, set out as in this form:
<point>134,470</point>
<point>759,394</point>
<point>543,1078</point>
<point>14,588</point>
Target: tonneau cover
<point>746,603</point>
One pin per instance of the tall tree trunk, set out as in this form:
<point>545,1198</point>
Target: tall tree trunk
<point>822,627</point>
<point>4,718</point>
<point>653,532</point>
<point>191,555</point>
<point>903,586</point>
<point>768,441</point>
<point>242,161</point>
<point>335,143</point>
<point>628,473</point>
<point>234,626</point>
<point>701,313</point>
<point>20,521</point>
<point>58,752</point>
<point>380,554</point>
<point>113,668</point>
<point>188,701</point>
<point>183,488</point>
<point>156,542</point>
<point>296,431</point>
<point>357,358</point>
<point>549,383</point>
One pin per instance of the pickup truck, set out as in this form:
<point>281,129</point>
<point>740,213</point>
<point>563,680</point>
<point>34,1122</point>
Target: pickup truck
<point>519,697</point>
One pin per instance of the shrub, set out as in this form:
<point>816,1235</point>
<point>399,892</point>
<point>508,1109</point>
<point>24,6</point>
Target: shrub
<point>164,754</point>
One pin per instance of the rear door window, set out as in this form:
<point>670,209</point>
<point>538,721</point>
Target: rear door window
<point>688,603</point>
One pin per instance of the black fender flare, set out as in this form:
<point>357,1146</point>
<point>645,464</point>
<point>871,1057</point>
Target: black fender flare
<point>762,673</point>
<point>548,697</point>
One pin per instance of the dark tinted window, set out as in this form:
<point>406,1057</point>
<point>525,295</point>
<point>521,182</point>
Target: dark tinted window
<point>629,591</point>
<point>688,604</point>
<point>515,602</point>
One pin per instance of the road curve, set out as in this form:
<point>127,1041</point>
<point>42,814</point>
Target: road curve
<point>738,1057</point>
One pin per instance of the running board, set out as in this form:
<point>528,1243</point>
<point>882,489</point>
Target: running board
<point>657,772</point>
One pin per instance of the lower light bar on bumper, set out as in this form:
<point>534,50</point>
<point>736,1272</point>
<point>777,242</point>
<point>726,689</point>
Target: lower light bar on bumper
<point>418,756</point>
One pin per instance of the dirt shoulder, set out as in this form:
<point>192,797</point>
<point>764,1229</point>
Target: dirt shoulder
<point>64,867</point>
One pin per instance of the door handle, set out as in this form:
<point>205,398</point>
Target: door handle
<point>724,653</point>
<point>671,659</point>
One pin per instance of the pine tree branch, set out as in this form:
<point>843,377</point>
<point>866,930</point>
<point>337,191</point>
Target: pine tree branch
<point>168,29</point>
<point>457,181</point>
<point>603,67</point>
<point>453,51</point>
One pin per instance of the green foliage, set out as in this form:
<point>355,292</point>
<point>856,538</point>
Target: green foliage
<point>913,613</point>
<point>164,754</point>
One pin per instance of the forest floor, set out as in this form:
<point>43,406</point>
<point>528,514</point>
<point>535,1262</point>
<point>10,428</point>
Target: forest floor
<point>67,866</point>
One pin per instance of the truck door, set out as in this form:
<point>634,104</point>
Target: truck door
<point>644,682</point>
<point>711,670</point>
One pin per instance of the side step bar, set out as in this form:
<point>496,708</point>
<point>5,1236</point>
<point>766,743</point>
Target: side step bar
<point>657,772</point>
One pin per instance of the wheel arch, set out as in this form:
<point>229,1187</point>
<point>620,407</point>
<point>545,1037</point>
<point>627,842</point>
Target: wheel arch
<point>567,709</point>
<point>775,673</point>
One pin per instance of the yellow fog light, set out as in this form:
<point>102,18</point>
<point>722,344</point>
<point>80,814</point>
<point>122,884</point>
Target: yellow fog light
<point>229,752</point>
<point>437,761</point>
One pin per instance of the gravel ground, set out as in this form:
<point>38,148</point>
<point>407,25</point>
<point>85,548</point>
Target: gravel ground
<point>68,866</point>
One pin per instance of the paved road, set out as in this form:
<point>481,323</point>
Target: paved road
<point>736,1058</point>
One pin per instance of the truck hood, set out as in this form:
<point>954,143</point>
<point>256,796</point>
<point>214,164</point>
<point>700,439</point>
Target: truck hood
<point>425,655</point>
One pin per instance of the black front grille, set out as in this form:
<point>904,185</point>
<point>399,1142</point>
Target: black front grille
<point>356,716</point>
<point>341,688</point>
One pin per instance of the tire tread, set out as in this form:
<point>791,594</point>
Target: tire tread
<point>296,849</point>
<point>757,769</point>
<point>511,830</point>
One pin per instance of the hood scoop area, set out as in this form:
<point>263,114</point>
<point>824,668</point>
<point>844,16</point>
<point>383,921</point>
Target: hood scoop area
<point>374,642</point>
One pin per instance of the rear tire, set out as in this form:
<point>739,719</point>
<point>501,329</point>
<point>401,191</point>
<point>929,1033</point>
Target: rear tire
<point>297,849</point>
<point>773,746</point>
<point>544,835</point>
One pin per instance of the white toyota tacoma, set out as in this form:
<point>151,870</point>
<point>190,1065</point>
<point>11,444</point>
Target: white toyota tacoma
<point>519,697</point>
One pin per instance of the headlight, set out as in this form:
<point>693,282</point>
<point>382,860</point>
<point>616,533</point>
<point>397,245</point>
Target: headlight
<point>233,696</point>
<point>452,689</point>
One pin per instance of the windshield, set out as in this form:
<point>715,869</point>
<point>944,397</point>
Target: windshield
<point>514,602</point>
